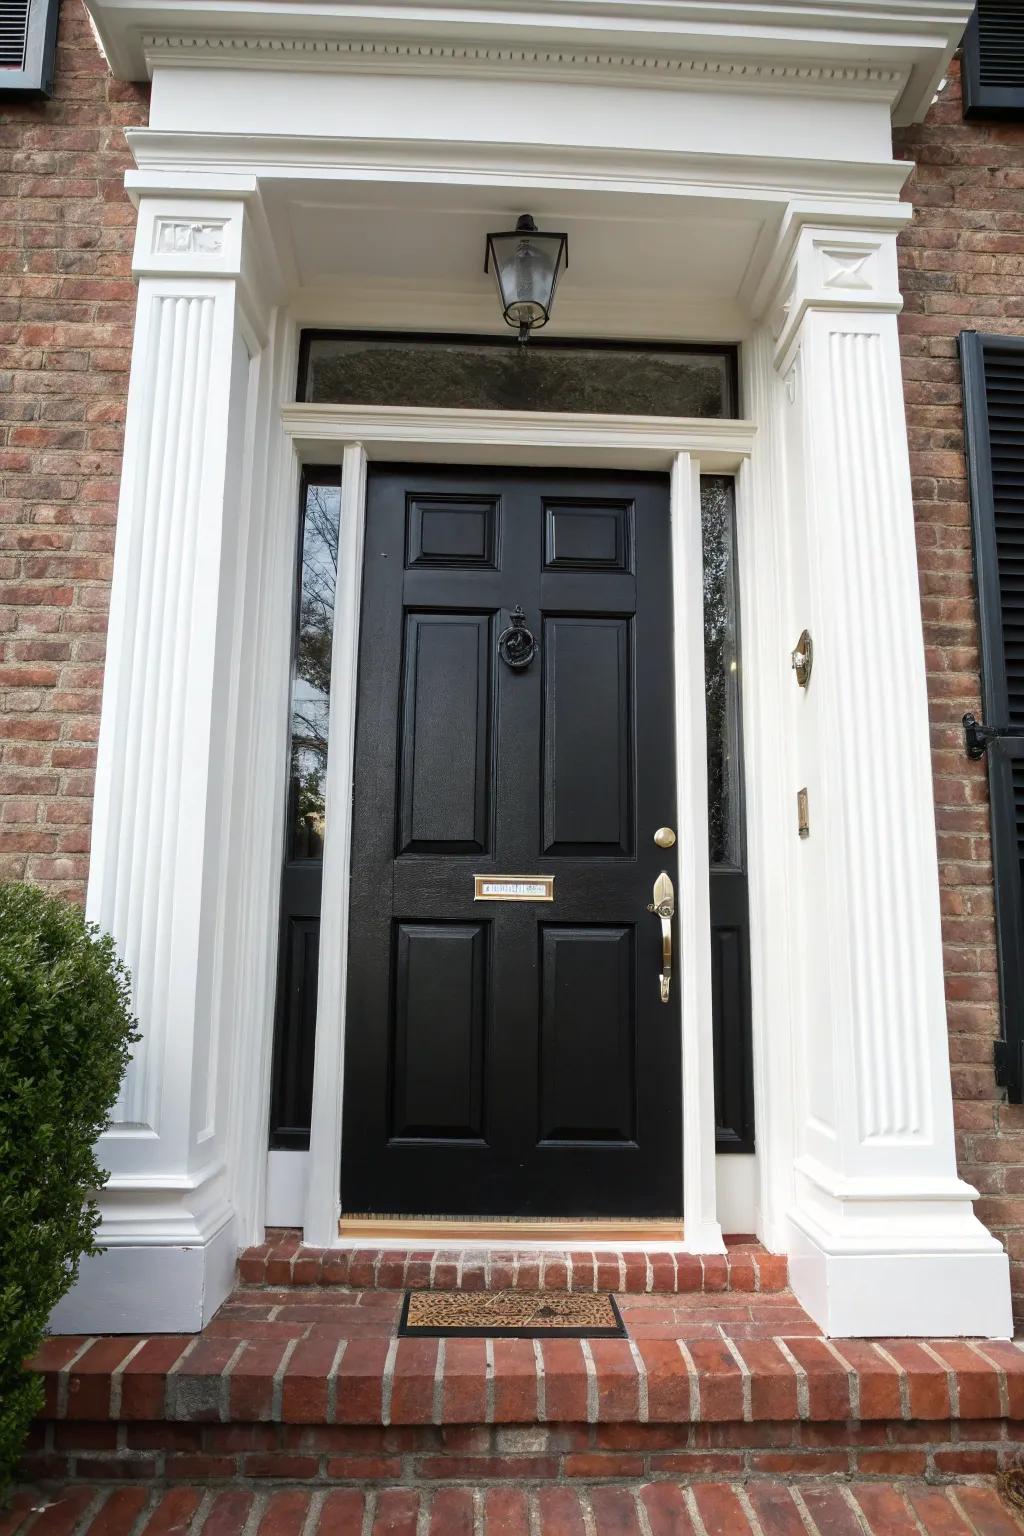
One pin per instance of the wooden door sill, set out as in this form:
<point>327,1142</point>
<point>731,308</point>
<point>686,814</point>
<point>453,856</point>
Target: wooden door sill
<point>509,1231</point>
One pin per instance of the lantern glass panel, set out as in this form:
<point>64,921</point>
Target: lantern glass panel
<point>527,267</point>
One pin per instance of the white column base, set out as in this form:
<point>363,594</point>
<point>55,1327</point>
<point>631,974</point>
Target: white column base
<point>170,1253</point>
<point>926,1284</point>
<point>158,1288</point>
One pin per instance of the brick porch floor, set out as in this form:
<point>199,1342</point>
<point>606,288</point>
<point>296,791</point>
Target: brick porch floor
<point>660,1509</point>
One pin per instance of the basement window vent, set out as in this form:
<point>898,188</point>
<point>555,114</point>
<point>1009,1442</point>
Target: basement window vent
<point>993,60</point>
<point>28,43</point>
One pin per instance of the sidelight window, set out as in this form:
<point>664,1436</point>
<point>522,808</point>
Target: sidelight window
<point>311,669</point>
<point>730,944</point>
<point>721,671</point>
<point>302,877</point>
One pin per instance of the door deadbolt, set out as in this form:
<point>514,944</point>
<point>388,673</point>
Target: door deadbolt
<point>665,837</point>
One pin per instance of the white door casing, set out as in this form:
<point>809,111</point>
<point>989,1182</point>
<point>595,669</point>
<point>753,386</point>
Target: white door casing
<point>525,438</point>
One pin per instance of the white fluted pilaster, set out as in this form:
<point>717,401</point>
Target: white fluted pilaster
<point>885,1238</point>
<point>164,877</point>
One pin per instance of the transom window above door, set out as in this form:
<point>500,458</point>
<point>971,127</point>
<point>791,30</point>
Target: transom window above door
<point>498,373</point>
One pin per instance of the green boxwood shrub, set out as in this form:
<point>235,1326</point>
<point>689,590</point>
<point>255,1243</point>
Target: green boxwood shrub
<point>65,1031</point>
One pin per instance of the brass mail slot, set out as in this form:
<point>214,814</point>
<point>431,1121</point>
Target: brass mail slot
<point>513,887</point>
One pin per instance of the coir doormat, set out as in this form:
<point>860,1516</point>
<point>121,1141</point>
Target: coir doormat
<point>509,1315</point>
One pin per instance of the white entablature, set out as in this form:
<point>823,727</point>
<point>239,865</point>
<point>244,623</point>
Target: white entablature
<point>896,51</point>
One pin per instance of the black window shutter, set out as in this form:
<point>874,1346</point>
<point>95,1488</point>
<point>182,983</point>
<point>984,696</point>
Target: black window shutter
<point>993,378</point>
<point>28,44</point>
<point>993,60</point>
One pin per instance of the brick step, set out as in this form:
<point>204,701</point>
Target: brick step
<point>423,1455</point>
<point>659,1509</point>
<point>332,1357</point>
<point>283,1261</point>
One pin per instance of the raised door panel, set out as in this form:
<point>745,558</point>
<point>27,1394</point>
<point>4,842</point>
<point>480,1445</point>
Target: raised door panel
<point>588,535</point>
<point>728,978</point>
<point>587,789</point>
<point>439,1034</point>
<point>445,734</point>
<point>293,1073</point>
<point>587,1034</point>
<point>451,531</point>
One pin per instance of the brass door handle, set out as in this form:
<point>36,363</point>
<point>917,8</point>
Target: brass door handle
<point>664,906</point>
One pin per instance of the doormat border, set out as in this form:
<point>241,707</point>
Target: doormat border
<point>407,1331</point>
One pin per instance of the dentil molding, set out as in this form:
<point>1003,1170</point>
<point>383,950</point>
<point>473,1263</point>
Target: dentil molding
<point>391,56</point>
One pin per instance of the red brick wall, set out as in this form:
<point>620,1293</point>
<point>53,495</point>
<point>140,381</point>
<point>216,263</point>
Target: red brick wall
<point>962,268</point>
<point>66,309</point>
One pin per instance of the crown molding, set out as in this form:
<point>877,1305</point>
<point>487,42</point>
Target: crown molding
<point>901,48</point>
<point>635,442</point>
<point>172,161</point>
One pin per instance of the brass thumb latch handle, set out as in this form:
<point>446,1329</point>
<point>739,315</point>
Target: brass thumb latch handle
<point>664,906</point>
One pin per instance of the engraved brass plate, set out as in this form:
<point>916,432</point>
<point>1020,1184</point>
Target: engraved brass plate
<point>513,887</point>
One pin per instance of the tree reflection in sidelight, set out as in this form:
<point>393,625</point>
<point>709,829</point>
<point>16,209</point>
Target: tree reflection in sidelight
<point>721,670</point>
<point>311,671</point>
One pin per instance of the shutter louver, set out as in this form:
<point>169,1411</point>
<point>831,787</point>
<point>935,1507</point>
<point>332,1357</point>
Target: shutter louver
<point>28,44</point>
<point>993,374</point>
<point>1004,391</point>
<point>13,33</point>
<point>993,60</point>
<point>1001,43</point>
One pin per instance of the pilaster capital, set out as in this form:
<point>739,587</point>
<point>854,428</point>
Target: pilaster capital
<point>196,237</point>
<point>209,234</point>
<point>832,269</point>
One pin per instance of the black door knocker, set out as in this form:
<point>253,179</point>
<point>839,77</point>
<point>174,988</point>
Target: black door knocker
<point>516,645</point>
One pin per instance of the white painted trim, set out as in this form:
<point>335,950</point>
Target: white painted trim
<point>321,1224</point>
<point>685,446</point>
<point>287,1185</point>
<point>646,70</point>
<point>702,1232</point>
<point>736,1180</point>
<point>169,160</point>
<point>769,629</point>
<point>430,435</point>
<point>899,51</point>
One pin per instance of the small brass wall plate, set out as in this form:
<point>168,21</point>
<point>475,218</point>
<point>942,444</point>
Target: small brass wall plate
<point>513,887</point>
<point>803,815</point>
<point>802,658</point>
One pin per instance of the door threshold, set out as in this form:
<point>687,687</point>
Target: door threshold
<point>453,1231</point>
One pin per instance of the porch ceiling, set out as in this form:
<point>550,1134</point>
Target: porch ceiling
<point>412,256</point>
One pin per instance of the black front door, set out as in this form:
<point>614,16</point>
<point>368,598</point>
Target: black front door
<point>512,1058</point>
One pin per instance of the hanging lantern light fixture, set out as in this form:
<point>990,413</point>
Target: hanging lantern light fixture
<point>527,264</point>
